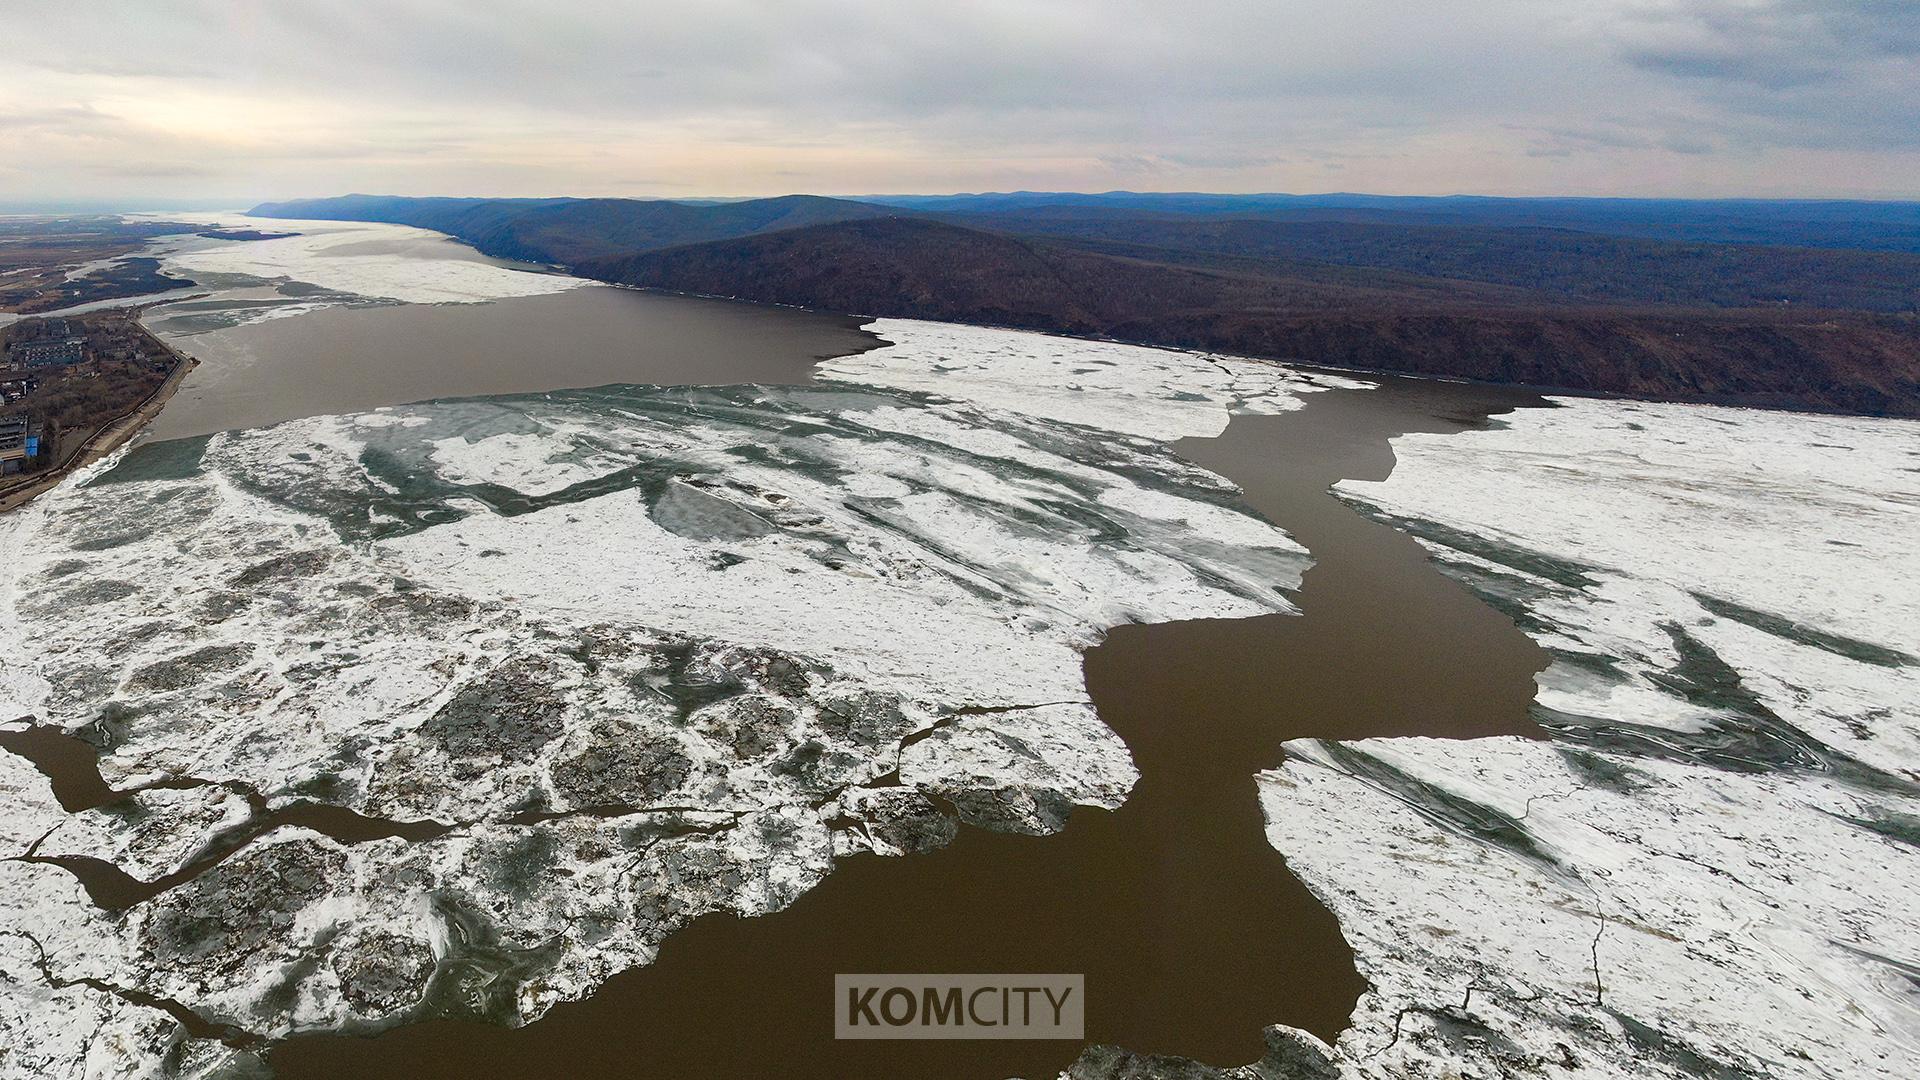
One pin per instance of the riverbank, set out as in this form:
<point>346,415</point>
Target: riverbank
<point>1783,327</point>
<point>109,438</point>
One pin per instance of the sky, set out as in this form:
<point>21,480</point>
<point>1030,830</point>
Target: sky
<point>228,103</point>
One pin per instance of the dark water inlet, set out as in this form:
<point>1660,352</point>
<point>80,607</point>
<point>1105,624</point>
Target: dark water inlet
<point>72,768</point>
<point>113,889</point>
<point>70,765</point>
<point>1190,931</point>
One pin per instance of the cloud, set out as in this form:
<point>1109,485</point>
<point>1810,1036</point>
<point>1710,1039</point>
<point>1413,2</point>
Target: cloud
<point>1834,74</point>
<point>747,97</point>
<point>62,118</point>
<point>1773,44</point>
<point>138,170</point>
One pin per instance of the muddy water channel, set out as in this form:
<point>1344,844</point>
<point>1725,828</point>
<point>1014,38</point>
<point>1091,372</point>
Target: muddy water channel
<point>347,359</point>
<point>1190,930</point>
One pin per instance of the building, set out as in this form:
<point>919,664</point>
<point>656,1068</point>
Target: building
<point>58,352</point>
<point>19,442</point>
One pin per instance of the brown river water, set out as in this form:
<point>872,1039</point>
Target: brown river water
<point>348,359</point>
<point>1191,933</point>
<point>1187,925</point>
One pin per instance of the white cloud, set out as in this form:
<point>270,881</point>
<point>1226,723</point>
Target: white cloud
<point>738,97</point>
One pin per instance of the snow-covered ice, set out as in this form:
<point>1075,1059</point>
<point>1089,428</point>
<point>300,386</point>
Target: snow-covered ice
<point>1708,867</point>
<point>326,264</point>
<point>376,680</point>
<point>1157,394</point>
<point>463,707</point>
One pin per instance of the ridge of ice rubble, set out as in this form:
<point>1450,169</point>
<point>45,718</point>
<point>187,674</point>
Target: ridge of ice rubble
<point>364,683</point>
<point>1709,866</point>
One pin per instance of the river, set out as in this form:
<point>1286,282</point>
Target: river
<point>1189,929</point>
<point>310,625</point>
<point>345,359</point>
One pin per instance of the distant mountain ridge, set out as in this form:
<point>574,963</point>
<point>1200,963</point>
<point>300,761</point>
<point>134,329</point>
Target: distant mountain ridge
<point>1864,225</point>
<point>1351,284</point>
<point>567,231</point>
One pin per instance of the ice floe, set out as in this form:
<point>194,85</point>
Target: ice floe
<point>460,708</point>
<point>327,262</point>
<point>1153,393</point>
<point>1709,865</point>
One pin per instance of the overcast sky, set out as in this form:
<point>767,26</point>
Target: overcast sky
<point>235,102</point>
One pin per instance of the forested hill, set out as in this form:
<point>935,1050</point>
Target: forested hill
<point>1792,326</point>
<point>569,231</point>
<point>1779,357</point>
<point>1821,223</point>
<point>1555,263</point>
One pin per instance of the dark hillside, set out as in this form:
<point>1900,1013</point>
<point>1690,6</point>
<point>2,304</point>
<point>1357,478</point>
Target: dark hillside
<point>941,270</point>
<point>1556,263</point>
<point>1822,223</point>
<point>571,231</point>
<point>914,268</point>
<point>944,271</point>
<point>464,218</point>
<point>1473,288</point>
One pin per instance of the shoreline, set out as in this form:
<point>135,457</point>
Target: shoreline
<point>111,437</point>
<point>1183,780</point>
<point>857,320</point>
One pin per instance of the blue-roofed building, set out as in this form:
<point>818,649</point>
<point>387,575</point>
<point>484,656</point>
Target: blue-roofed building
<point>19,442</point>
